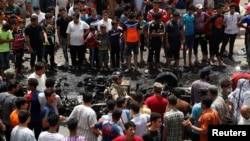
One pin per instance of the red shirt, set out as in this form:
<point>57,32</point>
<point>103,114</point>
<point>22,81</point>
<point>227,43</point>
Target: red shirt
<point>124,138</point>
<point>237,2</point>
<point>235,77</point>
<point>157,104</point>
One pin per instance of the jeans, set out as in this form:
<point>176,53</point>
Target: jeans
<point>50,50</point>
<point>18,58</point>
<point>65,48</point>
<point>76,51</point>
<point>217,39</point>
<point>231,38</point>
<point>4,60</point>
<point>37,53</point>
<point>115,58</point>
<point>36,125</point>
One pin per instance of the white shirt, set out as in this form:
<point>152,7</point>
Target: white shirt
<point>106,23</point>
<point>231,21</point>
<point>62,3</point>
<point>86,117</point>
<point>140,121</point>
<point>108,117</point>
<point>42,100</point>
<point>41,81</point>
<point>22,133</point>
<point>48,136</point>
<point>243,121</point>
<point>71,11</point>
<point>76,32</point>
<point>195,2</point>
<point>41,16</point>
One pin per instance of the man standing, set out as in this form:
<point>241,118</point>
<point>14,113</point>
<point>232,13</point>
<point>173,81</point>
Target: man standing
<point>132,39</point>
<point>116,90</point>
<point>188,26</point>
<point>216,24</point>
<point>12,8</point>
<point>157,103</point>
<point>51,134</point>
<point>153,133</point>
<point>174,38</point>
<point>21,131</point>
<point>173,119</point>
<point>110,129</point>
<point>208,117</point>
<point>129,133</point>
<point>62,24</point>
<point>220,105</point>
<point>40,75</point>
<point>139,119</point>
<point>7,102</point>
<point>86,117</point>
<point>156,32</point>
<point>72,126</point>
<point>48,109</point>
<point>244,115</point>
<point>44,4</point>
<point>201,83</point>
<point>75,40</point>
<point>156,9</point>
<point>231,19</point>
<point>34,41</point>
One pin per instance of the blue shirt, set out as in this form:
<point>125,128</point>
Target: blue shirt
<point>246,20</point>
<point>188,22</point>
<point>196,113</point>
<point>47,111</point>
<point>181,4</point>
<point>109,130</point>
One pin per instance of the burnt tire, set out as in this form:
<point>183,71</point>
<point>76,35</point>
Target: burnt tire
<point>168,78</point>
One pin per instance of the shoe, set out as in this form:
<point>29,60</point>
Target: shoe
<point>146,71</point>
<point>137,70</point>
<point>66,64</point>
<point>93,68</point>
<point>159,69</point>
<point>232,59</point>
<point>127,70</point>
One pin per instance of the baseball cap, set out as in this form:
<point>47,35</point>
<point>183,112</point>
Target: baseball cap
<point>206,70</point>
<point>158,85</point>
<point>244,65</point>
<point>199,6</point>
<point>9,73</point>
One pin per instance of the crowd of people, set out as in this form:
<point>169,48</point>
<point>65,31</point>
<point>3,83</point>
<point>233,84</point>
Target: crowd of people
<point>114,32</point>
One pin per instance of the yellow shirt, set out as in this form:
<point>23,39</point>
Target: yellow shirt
<point>143,110</point>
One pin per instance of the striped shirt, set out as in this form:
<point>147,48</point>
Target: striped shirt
<point>173,122</point>
<point>86,117</point>
<point>75,138</point>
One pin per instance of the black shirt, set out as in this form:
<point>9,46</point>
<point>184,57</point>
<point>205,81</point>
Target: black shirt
<point>156,28</point>
<point>63,24</point>
<point>151,136</point>
<point>118,11</point>
<point>217,22</point>
<point>174,32</point>
<point>35,35</point>
<point>114,38</point>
